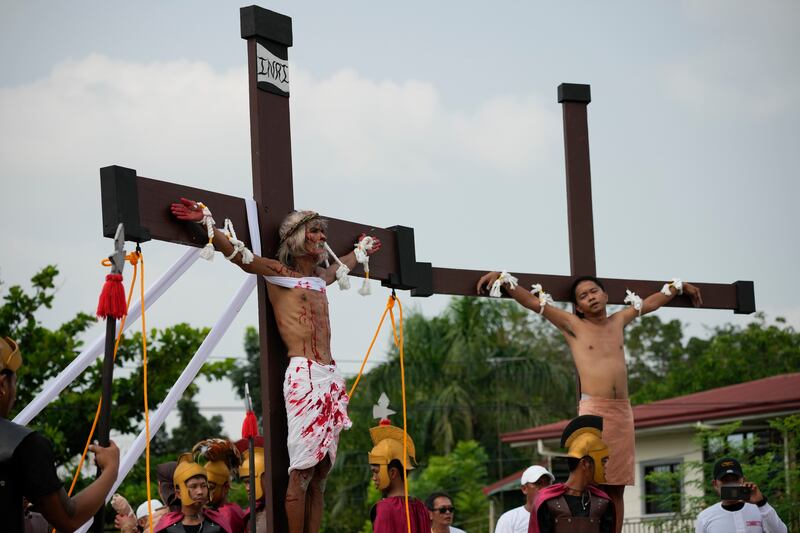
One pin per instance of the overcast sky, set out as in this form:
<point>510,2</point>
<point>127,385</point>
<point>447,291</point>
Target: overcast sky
<point>441,116</point>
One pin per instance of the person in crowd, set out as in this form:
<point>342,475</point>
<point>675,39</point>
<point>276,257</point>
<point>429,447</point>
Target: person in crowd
<point>27,465</point>
<point>393,512</point>
<point>742,505</point>
<point>191,488</point>
<point>533,479</point>
<point>259,471</point>
<point>442,512</point>
<point>578,504</point>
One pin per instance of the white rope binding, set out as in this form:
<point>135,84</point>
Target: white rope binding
<point>634,299</point>
<point>676,283</point>
<point>505,278</point>
<point>544,298</point>
<point>238,246</point>
<point>341,272</point>
<point>207,252</point>
<point>361,248</point>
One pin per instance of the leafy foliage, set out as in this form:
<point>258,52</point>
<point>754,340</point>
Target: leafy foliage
<point>68,419</point>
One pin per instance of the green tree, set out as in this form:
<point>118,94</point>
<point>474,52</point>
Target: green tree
<point>461,474</point>
<point>67,420</point>
<point>662,366</point>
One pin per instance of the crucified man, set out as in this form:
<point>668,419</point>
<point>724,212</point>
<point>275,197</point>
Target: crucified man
<point>314,391</point>
<point>595,340</point>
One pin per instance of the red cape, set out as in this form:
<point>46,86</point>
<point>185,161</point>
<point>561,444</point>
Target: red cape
<point>260,504</point>
<point>174,517</point>
<point>554,491</point>
<point>390,516</point>
<point>234,515</point>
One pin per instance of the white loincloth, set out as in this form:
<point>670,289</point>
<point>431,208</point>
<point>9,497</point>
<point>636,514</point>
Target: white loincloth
<point>316,411</point>
<point>311,283</point>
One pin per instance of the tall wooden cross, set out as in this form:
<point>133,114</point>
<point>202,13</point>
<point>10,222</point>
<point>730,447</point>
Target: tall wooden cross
<point>142,205</point>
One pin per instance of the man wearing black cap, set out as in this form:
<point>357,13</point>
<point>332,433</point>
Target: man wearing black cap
<point>748,512</point>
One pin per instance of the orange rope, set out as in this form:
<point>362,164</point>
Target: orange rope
<point>133,259</point>
<point>146,408</point>
<point>399,343</point>
<point>389,305</point>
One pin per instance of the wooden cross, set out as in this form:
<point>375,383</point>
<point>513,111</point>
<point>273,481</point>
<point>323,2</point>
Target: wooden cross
<point>142,205</point>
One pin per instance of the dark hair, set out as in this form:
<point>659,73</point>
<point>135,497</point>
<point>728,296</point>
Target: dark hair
<point>578,281</point>
<point>573,463</point>
<point>6,372</point>
<point>396,464</point>
<point>432,498</point>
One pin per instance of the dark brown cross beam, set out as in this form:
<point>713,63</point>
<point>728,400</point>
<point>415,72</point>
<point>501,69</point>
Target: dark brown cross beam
<point>142,204</point>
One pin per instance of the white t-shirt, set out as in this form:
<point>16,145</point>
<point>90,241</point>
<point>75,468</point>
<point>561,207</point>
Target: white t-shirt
<point>456,530</point>
<point>513,521</point>
<point>749,519</point>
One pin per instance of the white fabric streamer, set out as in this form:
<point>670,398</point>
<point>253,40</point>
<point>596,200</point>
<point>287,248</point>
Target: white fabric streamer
<point>678,284</point>
<point>341,272</point>
<point>95,349</point>
<point>361,250</point>
<point>238,246</point>
<point>544,298</point>
<point>504,278</point>
<point>634,299</point>
<point>158,417</point>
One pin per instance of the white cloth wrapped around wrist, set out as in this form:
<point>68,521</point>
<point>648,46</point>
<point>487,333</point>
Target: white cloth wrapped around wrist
<point>634,299</point>
<point>676,283</point>
<point>238,246</point>
<point>207,252</point>
<point>544,298</point>
<point>505,278</point>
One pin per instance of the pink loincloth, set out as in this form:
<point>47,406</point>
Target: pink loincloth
<point>316,411</point>
<point>618,434</point>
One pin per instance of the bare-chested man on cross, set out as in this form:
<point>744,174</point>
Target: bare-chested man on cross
<point>596,342</point>
<point>314,391</point>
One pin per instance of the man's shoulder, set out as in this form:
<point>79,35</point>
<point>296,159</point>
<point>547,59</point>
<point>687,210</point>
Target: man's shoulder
<point>511,513</point>
<point>708,512</point>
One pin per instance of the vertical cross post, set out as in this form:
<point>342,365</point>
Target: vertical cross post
<point>269,36</point>
<point>575,99</point>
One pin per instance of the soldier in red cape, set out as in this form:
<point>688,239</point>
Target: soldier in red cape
<point>577,506</point>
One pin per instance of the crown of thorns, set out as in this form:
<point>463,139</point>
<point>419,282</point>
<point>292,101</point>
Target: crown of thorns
<point>309,217</point>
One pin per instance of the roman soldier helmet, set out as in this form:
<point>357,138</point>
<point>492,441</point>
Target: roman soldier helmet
<point>184,471</point>
<point>10,358</point>
<point>583,437</point>
<point>388,446</point>
<point>221,458</point>
<point>258,461</point>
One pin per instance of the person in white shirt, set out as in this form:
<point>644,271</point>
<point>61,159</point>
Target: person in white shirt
<point>440,506</point>
<point>516,520</point>
<point>753,515</point>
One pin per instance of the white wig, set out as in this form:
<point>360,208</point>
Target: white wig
<point>293,236</point>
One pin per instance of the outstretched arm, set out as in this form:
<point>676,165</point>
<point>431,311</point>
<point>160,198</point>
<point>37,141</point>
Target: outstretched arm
<point>190,211</point>
<point>349,260</point>
<point>558,317</point>
<point>659,299</point>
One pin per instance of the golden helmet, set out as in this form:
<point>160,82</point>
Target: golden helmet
<point>388,446</point>
<point>184,471</point>
<point>10,358</point>
<point>583,437</point>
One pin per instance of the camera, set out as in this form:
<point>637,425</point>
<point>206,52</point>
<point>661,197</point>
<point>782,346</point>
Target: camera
<point>734,492</point>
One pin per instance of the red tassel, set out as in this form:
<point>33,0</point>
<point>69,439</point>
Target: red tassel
<point>112,298</point>
<point>250,425</point>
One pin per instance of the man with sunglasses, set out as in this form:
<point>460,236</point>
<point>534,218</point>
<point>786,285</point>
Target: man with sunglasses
<point>442,512</point>
<point>516,520</point>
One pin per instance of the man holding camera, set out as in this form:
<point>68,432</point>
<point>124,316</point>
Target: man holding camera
<point>742,507</point>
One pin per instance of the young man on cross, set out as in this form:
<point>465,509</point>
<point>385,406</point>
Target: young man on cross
<point>314,391</point>
<point>595,339</point>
